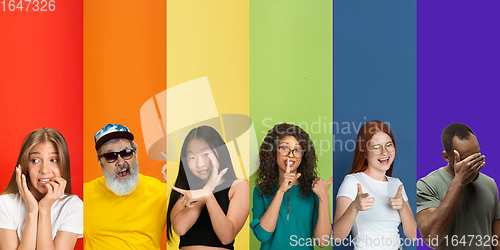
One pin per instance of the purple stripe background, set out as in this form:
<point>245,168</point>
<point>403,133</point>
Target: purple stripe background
<point>458,65</point>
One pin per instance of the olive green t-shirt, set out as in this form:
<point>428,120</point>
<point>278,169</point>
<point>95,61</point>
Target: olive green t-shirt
<point>477,210</point>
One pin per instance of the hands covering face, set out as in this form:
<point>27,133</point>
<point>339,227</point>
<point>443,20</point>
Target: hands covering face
<point>55,189</point>
<point>467,169</point>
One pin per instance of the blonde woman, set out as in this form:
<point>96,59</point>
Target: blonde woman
<point>37,210</point>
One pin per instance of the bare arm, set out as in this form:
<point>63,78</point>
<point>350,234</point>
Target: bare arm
<point>28,242</point>
<point>408,222</point>
<point>345,214</point>
<point>188,207</point>
<point>270,218</point>
<point>44,231</point>
<point>437,221</point>
<point>227,226</point>
<point>347,211</point>
<point>323,223</point>
<point>495,228</point>
<point>407,219</point>
<point>63,240</point>
<point>183,218</point>
<point>9,237</point>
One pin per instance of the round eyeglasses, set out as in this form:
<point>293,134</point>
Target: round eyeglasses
<point>378,149</point>
<point>285,151</point>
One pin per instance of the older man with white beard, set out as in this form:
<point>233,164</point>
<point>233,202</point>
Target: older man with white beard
<point>122,209</point>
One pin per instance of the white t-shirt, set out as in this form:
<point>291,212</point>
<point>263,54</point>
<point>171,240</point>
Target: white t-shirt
<point>376,228</point>
<point>66,214</point>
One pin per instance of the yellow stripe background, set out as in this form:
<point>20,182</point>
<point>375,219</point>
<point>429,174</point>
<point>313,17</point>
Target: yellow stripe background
<point>210,38</point>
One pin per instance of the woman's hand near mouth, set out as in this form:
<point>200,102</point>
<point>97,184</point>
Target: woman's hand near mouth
<point>288,178</point>
<point>215,176</point>
<point>55,189</point>
<point>190,197</point>
<point>25,193</point>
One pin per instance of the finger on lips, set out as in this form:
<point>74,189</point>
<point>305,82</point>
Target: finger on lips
<point>287,166</point>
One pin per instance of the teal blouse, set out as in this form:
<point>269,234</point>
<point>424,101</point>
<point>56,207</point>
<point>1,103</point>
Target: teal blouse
<point>295,233</point>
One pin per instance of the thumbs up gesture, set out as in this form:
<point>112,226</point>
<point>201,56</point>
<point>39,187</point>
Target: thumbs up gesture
<point>397,202</point>
<point>362,201</point>
<point>320,187</point>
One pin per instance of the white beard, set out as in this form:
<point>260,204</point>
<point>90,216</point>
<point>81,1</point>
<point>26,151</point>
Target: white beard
<point>125,186</point>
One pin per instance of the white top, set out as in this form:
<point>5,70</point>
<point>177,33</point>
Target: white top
<point>66,214</point>
<point>376,228</point>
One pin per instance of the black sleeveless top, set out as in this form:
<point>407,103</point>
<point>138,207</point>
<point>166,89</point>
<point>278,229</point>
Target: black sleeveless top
<point>202,232</point>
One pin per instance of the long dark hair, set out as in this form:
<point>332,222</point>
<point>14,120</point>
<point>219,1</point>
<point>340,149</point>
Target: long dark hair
<point>365,134</point>
<point>268,173</point>
<point>210,136</point>
<point>32,139</point>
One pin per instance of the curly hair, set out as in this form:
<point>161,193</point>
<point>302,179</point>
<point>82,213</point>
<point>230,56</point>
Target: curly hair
<point>268,173</point>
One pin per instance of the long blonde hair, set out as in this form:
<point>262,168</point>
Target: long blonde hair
<point>32,139</point>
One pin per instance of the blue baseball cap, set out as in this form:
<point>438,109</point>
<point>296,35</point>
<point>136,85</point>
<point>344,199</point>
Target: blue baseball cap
<point>111,131</point>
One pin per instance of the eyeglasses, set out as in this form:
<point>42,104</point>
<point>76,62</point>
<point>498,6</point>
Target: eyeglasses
<point>285,151</point>
<point>111,157</point>
<point>378,149</point>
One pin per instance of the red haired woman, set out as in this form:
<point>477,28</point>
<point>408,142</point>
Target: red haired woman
<point>370,203</point>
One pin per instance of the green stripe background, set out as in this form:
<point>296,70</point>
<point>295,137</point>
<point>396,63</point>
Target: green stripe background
<point>291,74</point>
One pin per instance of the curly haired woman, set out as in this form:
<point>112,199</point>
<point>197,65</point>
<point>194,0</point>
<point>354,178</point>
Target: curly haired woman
<point>290,204</point>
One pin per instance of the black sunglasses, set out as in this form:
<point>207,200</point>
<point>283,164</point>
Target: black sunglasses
<point>111,157</point>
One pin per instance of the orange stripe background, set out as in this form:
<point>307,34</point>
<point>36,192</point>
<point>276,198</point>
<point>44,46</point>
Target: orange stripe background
<point>124,66</point>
